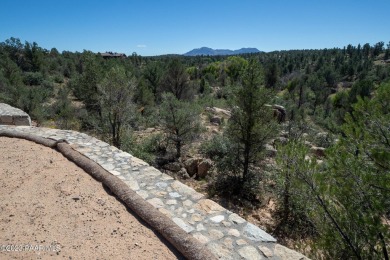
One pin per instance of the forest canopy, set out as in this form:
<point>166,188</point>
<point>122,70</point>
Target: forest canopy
<point>307,129</point>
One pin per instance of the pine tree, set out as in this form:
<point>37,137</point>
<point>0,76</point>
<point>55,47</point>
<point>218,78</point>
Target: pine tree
<point>180,121</point>
<point>251,125</point>
<point>293,174</point>
<point>355,186</point>
<point>115,100</point>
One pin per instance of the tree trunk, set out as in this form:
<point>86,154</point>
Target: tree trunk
<point>178,149</point>
<point>118,135</point>
<point>384,250</point>
<point>113,129</point>
<point>246,162</point>
<point>115,135</point>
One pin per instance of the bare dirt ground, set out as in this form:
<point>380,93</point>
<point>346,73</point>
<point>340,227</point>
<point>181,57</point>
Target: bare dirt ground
<point>53,209</point>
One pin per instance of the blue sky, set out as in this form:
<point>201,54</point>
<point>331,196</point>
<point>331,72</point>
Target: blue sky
<point>152,27</point>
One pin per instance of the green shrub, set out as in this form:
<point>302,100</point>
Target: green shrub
<point>147,149</point>
<point>227,180</point>
<point>58,78</point>
<point>323,140</point>
<point>39,113</point>
<point>215,148</point>
<point>33,78</point>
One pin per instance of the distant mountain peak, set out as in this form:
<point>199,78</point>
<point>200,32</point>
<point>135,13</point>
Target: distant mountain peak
<point>213,52</point>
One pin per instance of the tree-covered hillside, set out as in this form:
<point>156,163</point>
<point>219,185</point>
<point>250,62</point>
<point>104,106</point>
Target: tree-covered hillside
<point>300,137</point>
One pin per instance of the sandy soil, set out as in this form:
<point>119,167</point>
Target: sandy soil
<point>52,208</point>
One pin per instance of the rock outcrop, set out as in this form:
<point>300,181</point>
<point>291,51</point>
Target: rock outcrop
<point>13,116</point>
<point>198,167</point>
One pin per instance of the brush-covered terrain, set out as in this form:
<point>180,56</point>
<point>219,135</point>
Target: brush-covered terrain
<point>295,141</point>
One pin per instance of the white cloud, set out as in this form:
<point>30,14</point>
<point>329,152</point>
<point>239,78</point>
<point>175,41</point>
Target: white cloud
<point>141,46</point>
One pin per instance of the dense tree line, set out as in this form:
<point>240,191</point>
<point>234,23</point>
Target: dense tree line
<point>340,203</point>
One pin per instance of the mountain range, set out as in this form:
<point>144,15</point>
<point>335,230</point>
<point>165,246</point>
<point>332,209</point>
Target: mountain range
<point>213,52</point>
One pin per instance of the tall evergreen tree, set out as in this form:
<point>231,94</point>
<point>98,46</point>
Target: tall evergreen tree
<point>251,125</point>
<point>115,100</point>
<point>294,175</point>
<point>358,179</point>
<point>85,87</point>
<point>153,75</point>
<point>180,121</point>
<point>176,80</point>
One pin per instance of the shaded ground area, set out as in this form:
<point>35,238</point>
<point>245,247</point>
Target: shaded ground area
<point>48,201</point>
